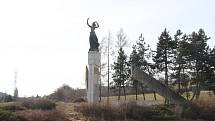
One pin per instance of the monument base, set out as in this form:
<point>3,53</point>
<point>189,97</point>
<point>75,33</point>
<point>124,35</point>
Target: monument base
<point>94,60</point>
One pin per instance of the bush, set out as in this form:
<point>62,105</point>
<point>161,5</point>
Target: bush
<point>8,116</point>
<point>208,110</point>
<point>12,108</point>
<point>131,112</point>
<point>39,104</point>
<point>66,93</point>
<point>99,111</point>
<point>153,113</point>
<point>79,100</point>
<point>43,115</point>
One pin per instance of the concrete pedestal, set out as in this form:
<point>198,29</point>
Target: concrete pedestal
<point>94,60</point>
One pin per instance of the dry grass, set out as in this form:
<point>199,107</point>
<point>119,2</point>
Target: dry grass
<point>133,97</point>
<point>68,109</point>
<point>17,109</point>
<point>43,115</point>
<point>206,101</point>
<point>126,111</point>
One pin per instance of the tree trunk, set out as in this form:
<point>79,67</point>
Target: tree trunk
<point>155,95</point>
<point>100,91</point>
<point>119,91</point>
<point>166,68</point>
<point>179,80</point>
<point>108,93</point>
<point>187,93</point>
<point>124,91</point>
<point>194,94</point>
<point>136,91</point>
<point>198,90</point>
<point>143,92</point>
<point>166,73</point>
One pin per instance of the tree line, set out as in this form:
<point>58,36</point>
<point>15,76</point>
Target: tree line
<point>184,62</point>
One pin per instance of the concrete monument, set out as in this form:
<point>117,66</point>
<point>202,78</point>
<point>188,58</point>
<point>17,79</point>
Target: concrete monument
<point>93,70</point>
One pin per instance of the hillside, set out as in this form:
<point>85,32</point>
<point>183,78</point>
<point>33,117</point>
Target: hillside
<point>2,94</point>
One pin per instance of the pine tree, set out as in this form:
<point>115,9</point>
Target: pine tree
<point>163,53</point>
<point>120,75</point>
<point>120,44</point>
<point>138,58</point>
<point>198,57</point>
<point>212,67</point>
<point>144,55</point>
<point>180,48</point>
<point>135,61</point>
<point>177,58</point>
<point>182,61</point>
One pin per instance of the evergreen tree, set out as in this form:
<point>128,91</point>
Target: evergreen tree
<point>212,67</point>
<point>138,58</point>
<point>163,53</point>
<point>212,57</point>
<point>120,44</point>
<point>135,61</point>
<point>144,55</point>
<point>180,51</point>
<point>120,75</point>
<point>177,59</point>
<point>182,62</point>
<point>198,58</point>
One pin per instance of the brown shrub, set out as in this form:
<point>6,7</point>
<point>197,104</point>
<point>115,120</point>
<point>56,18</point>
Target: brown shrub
<point>100,111</point>
<point>208,109</point>
<point>42,104</point>
<point>127,111</point>
<point>43,115</point>
<point>12,107</point>
<point>79,100</point>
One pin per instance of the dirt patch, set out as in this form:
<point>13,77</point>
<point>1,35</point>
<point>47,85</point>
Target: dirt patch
<point>71,114</point>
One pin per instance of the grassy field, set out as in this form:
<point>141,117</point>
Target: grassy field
<point>68,108</point>
<point>204,96</point>
<point>72,115</point>
<point>133,97</point>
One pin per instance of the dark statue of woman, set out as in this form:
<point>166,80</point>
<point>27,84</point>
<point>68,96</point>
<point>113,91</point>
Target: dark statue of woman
<point>94,45</point>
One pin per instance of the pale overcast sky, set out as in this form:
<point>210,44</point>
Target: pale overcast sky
<point>46,41</point>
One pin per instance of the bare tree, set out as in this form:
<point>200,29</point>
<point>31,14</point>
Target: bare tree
<point>107,53</point>
<point>121,39</point>
<point>120,43</point>
<point>103,50</point>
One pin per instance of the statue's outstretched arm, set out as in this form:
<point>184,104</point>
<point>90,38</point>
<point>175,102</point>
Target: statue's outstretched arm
<point>97,25</point>
<point>88,22</point>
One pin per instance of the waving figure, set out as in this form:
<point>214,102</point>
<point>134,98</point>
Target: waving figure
<point>94,45</point>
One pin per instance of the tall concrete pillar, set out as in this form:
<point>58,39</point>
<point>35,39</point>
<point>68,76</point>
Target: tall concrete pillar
<point>94,60</point>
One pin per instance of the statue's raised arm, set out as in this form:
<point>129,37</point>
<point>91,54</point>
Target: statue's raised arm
<point>88,22</point>
<point>97,24</point>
